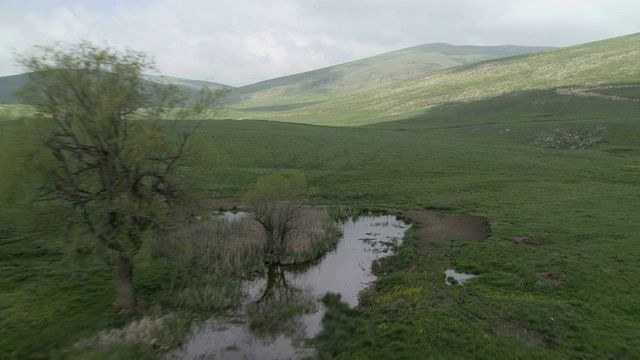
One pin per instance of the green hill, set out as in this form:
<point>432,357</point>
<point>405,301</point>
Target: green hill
<point>185,83</point>
<point>10,84</point>
<point>333,82</point>
<point>613,61</point>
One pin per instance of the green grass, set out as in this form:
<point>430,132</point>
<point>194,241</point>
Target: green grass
<point>632,92</point>
<point>467,156</point>
<point>478,157</point>
<point>473,157</point>
<point>14,111</point>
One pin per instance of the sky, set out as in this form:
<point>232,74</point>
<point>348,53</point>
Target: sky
<point>240,42</point>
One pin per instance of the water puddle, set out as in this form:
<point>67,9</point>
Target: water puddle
<point>283,307</point>
<point>231,216</point>
<point>460,277</point>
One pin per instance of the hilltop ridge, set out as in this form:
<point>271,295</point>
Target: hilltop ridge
<point>312,87</point>
<point>612,61</point>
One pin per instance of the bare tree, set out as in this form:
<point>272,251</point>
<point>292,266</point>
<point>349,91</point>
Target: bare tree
<point>112,160</point>
<point>275,201</point>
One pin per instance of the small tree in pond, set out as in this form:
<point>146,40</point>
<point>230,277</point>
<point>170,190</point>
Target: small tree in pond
<point>275,201</point>
<point>112,159</point>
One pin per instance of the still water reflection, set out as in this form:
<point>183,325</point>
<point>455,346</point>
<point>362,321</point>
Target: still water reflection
<point>282,308</point>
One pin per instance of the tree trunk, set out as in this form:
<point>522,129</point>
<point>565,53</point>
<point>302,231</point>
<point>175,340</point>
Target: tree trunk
<point>125,299</point>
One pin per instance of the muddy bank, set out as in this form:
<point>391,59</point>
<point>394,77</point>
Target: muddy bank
<point>440,228</point>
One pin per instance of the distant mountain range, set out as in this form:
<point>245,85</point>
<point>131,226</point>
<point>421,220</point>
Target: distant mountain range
<point>10,84</point>
<point>185,83</point>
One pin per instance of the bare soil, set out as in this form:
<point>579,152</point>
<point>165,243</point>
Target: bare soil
<point>593,91</point>
<point>440,228</point>
<point>527,240</point>
<point>555,279</point>
<point>516,329</point>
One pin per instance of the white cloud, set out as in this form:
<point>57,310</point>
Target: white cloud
<point>244,41</point>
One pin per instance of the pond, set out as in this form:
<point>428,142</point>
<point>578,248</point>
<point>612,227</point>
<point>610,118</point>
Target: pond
<point>459,277</point>
<point>283,307</point>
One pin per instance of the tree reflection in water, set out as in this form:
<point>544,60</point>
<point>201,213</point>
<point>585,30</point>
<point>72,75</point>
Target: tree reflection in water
<point>280,308</point>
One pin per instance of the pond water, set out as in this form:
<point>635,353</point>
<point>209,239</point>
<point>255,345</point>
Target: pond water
<point>229,216</point>
<point>460,277</point>
<point>283,307</point>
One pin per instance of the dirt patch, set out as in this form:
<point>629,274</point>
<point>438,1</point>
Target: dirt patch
<point>527,240</point>
<point>439,228</point>
<point>554,279</point>
<point>447,302</point>
<point>516,329</point>
<point>593,91</point>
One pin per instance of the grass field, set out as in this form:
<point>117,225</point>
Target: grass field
<point>578,206</point>
<point>557,274</point>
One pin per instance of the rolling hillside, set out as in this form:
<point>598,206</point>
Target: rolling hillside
<point>333,82</point>
<point>613,61</point>
<point>185,83</point>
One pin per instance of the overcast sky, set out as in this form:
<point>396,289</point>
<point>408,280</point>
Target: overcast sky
<point>238,42</point>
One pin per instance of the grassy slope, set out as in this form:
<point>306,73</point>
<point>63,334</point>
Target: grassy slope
<point>338,81</point>
<point>604,62</point>
<point>193,85</point>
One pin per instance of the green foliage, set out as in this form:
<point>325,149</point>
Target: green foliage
<point>214,295</point>
<point>276,187</point>
<point>120,175</point>
<point>275,202</point>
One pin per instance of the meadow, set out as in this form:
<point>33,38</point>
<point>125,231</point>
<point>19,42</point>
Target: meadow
<point>575,210</point>
<point>557,273</point>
